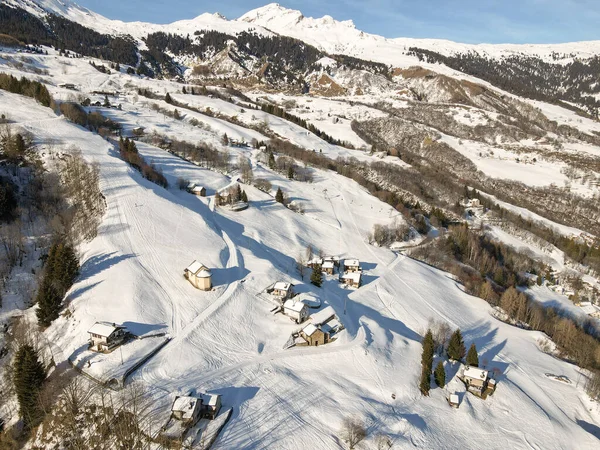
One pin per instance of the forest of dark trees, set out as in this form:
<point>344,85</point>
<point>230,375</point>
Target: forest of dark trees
<point>66,35</point>
<point>528,76</point>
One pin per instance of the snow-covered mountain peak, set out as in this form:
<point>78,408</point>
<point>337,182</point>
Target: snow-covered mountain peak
<point>276,16</point>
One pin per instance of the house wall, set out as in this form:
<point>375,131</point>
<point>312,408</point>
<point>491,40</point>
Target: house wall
<point>317,338</point>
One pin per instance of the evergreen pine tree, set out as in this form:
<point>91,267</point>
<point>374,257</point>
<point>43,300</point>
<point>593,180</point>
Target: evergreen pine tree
<point>290,172</point>
<point>217,199</point>
<point>456,346</point>
<point>106,103</point>
<point>244,197</point>
<point>225,139</point>
<point>238,193</point>
<point>28,377</point>
<point>183,91</point>
<point>271,160</point>
<point>472,357</point>
<point>316,277</point>
<point>279,196</point>
<point>168,98</point>
<point>440,375</point>
<point>428,350</point>
<point>425,384</point>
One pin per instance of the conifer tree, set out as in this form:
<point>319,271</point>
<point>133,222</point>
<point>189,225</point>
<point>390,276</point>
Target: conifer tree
<point>456,346</point>
<point>472,357</point>
<point>426,362</point>
<point>428,350</point>
<point>28,377</point>
<point>439,375</point>
<point>238,193</point>
<point>183,91</point>
<point>217,199</point>
<point>244,197</point>
<point>316,277</point>
<point>168,98</point>
<point>225,139</point>
<point>279,196</point>
<point>290,172</point>
<point>271,160</point>
<point>425,383</point>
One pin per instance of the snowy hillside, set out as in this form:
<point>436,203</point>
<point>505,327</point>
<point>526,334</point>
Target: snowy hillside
<point>353,163</point>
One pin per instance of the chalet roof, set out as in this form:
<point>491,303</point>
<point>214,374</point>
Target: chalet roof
<point>328,265</point>
<point>294,305</point>
<point>197,188</point>
<point>331,326</point>
<point>310,329</point>
<point>331,258</point>
<point>454,399</point>
<point>353,276</point>
<point>316,260</point>
<point>325,315</point>
<point>210,399</point>
<point>186,405</point>
<point>282,286</point>
<point>351,263</point>
<point>104,329</point>
<point>204,274</point>
<point>196,267</point>
<point>475,373</point>
<point>192,185</point>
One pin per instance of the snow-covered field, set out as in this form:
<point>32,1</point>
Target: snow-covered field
<point>226,340</point>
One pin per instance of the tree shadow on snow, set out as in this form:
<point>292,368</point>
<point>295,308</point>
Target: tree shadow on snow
<point>223,277</point>
<point>594,430</point>
<point>98,263</point>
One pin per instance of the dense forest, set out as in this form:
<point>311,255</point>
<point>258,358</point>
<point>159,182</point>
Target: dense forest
<point>528,76</point>
<point>66,35</point>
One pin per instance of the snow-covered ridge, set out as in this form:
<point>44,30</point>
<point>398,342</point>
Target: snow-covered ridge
<point>326,33</point>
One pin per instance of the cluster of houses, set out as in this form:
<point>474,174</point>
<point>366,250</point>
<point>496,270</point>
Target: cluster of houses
<point>323,324</point>
<point>196,189</point>
<point>199,276</point>
<point>350,273</point>
<point>238,143</point>
<point>478,381</point>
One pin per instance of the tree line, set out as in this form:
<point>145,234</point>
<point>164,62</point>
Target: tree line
<point>129,153</point>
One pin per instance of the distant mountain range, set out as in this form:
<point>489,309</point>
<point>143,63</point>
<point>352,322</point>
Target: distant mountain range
<point>286,50</point>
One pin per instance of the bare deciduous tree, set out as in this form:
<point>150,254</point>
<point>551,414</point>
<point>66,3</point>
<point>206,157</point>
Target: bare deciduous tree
<point>353,431</point>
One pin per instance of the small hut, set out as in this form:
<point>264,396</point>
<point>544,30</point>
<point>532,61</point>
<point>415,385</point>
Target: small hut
<point>105,336</point>
<point>199,275</point>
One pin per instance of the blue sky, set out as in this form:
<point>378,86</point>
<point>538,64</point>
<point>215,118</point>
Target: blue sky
<point>472,21</point>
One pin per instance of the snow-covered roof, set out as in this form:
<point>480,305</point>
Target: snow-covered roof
<point>332,326</point>
<point>476,373</point>
<point>351,263</point>
<point>192,185</point>
<point>196,267</point>
<point>454,399</point>
<point>589,308</point>
<point>210,399</point>
<point>323,316</point>
<point>353,276</point>
<point>197,188</point>
<point>316,260</point>
<point>294,306</point>
<point>104,329</point>
<point>309,329</point>
<point>331,258</point>
<point>328,265</point>
<point>282,286</point>
<point>185,405</point>
<point>203,274</point>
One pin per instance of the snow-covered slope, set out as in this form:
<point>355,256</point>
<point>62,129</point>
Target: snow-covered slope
<point>227,341</point>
